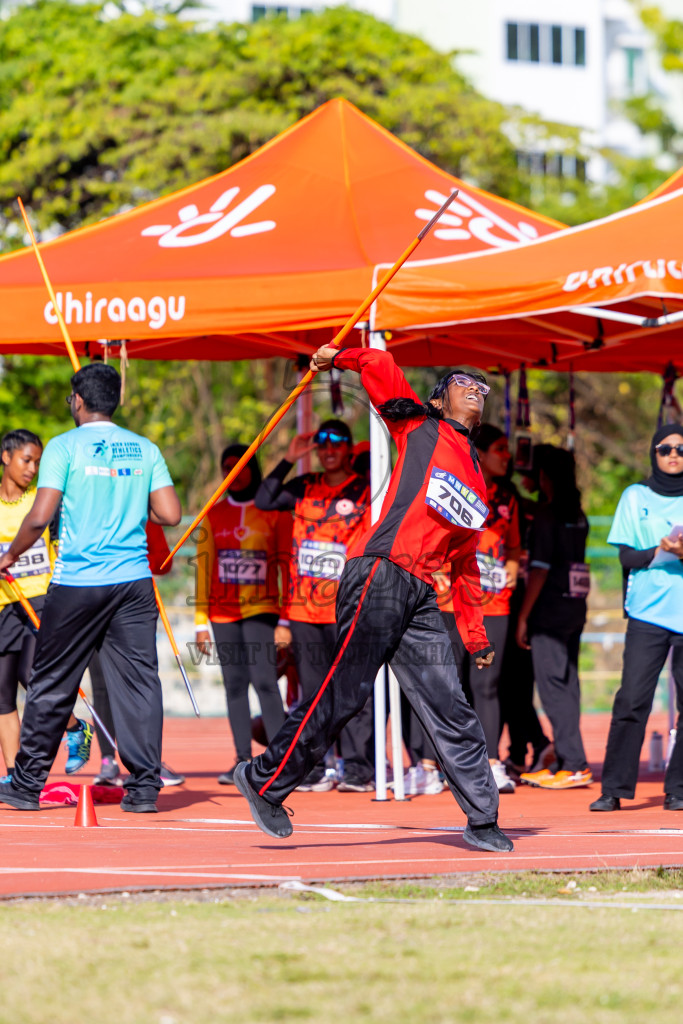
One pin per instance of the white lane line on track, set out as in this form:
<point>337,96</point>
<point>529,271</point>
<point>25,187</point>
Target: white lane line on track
<point>240,821</point>
<point>152,873</point>
<point>464,859</point>
<point>522,832</point>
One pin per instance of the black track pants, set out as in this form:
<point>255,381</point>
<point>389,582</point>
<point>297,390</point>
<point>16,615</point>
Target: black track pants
<point>120,621</point>
<point>645,652</point>
<point>313,646</point>
<point>385,614</point>
<point>556,666</point>
<point>100,699</point>
<point>247,655</point>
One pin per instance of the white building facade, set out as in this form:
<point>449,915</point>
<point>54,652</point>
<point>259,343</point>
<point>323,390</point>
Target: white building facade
<point>571,63</point>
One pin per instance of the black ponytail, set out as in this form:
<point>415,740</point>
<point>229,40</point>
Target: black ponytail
<point>396,409</point>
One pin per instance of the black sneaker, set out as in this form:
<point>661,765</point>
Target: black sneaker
<point>138,806</point>
<point>671,802</point>
<point>606,803</point>
<point>169,777</point>
<point>488,837</point>
<point>228,778</point>
<point>110,773</point>
<point>17,798</point>
<point>273,819</point>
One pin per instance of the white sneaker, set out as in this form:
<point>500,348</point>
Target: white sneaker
<point>429,783</point>
<point>501,777</point>
<point>411,780</point>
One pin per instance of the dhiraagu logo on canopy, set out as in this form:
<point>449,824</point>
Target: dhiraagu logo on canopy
<point>222,218</point>
<point>92,308</point>
<point>468,219</point>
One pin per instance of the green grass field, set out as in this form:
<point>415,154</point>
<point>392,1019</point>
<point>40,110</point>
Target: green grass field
<point>409,952</point>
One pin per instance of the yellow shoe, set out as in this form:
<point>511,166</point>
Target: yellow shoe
<point>536,778</point>
<point>567,780</point>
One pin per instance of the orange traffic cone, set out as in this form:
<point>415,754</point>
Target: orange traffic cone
<point>85,812</point>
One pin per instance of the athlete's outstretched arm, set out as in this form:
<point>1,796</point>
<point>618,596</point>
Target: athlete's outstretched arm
<point>379,374</point>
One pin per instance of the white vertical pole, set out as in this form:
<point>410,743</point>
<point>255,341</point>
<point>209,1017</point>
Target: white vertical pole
<point>380,735</point>
<point>380,471</point>
<point>396,736</point>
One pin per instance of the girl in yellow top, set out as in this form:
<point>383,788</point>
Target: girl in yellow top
<point>21,453</point>
<point>242,558</point>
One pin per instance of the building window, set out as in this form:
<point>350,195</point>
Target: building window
<point>556,33</point>
<point>580,47</point>
<point>635,70</point>
<point>552,165</point>
<point>534,51</point>
<point>512,51</point>
<point>545,44</point>
<point>260,11</point>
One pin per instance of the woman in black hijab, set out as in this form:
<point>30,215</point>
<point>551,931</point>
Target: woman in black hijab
<point>648,529</point>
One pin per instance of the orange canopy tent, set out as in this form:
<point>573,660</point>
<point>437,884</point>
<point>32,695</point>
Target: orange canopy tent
<point>605,296</point>
<point>258,260</point>
<point>672,184</point>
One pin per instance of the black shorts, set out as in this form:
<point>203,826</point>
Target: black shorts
<point>15,625</point>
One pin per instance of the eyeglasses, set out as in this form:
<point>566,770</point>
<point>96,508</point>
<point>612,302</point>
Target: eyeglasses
<point>667,449</point>
<point>467,382</point>
<point>323,436</point>
<point>70,398</point>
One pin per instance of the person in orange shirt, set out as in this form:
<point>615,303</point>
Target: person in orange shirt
<point>331,511</point>
<point>242,559</point>
<point>498,553</point>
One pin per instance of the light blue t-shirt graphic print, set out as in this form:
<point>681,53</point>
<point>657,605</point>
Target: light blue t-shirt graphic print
<point>106,475</point>
<point>642,518</point>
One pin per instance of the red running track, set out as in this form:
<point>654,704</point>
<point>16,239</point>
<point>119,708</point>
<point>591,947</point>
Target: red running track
<point>203,836</point>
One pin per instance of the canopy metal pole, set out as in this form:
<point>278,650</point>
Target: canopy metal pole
<point>380,471</point>
<point>380,735</point>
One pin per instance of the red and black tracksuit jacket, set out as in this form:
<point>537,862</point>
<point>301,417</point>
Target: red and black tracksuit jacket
<point>435,489</point>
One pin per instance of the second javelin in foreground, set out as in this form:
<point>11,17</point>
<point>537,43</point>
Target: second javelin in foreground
<point>386,604</point>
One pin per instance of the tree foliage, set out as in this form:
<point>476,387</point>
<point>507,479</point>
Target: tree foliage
<point>101,112</point>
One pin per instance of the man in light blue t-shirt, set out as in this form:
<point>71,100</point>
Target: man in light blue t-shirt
<point>108,481</point>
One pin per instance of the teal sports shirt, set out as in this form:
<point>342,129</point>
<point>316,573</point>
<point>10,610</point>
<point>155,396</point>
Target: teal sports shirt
<point>642,518</point>
<point>106,475</point>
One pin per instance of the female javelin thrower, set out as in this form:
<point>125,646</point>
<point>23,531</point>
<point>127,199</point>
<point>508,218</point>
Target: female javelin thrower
<point>386,605</point>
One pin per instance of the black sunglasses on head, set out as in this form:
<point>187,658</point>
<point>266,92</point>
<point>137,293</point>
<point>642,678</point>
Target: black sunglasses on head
<point>667,449</point>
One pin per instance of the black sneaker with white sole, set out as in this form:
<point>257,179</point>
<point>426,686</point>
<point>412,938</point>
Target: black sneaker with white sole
<point>273,819</point>
<point>138,806</point>
<point>18,798</point>
<point>488,837</point>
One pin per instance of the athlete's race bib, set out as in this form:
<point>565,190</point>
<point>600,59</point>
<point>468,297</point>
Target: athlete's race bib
<point>320,559</point>
<point>242,566</point>
<point>579,579</point>
<point>454,501</point>
<point>33,562</point>
<point>492,573</point>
